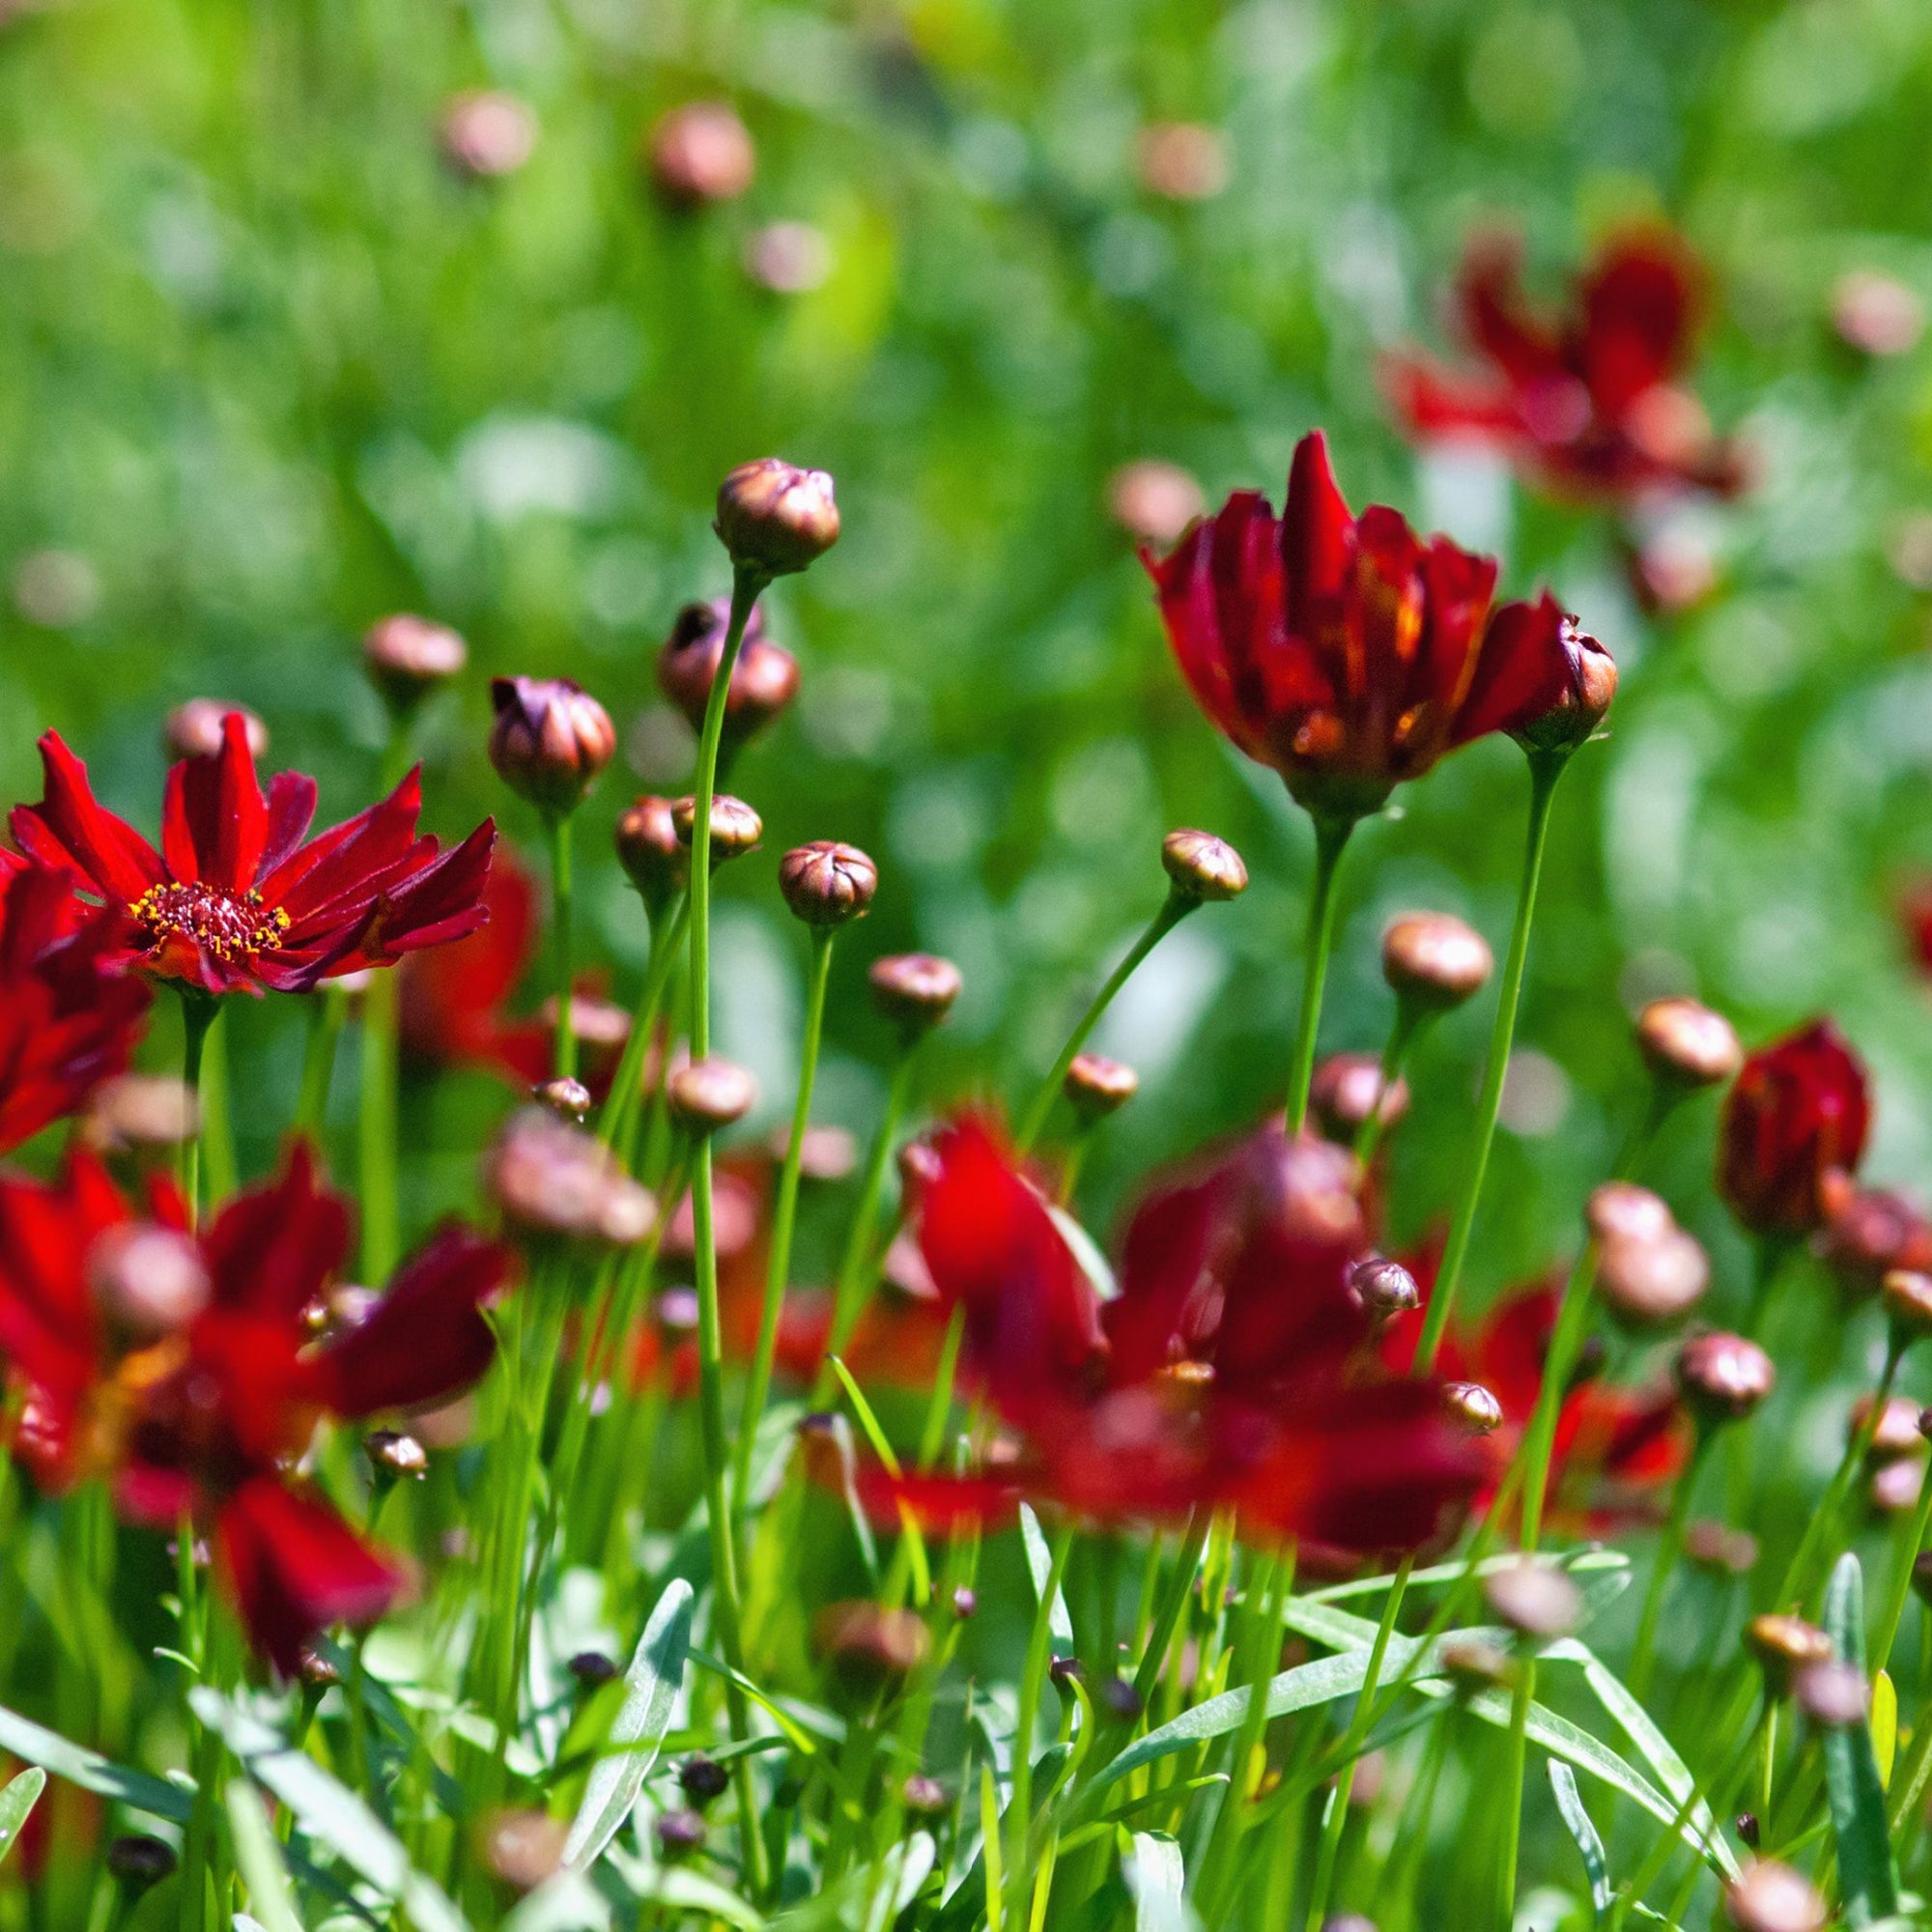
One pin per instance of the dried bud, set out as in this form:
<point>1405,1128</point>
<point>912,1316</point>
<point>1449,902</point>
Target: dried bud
<point>703,1778</point>
<point>1097,1085</point>
<point>394,1455</point>
<point>1650,1284</point>
<point>592,1669</point>
<point>1433,961</point>
<point>1746,1825</point>
<point>1474,1406</point>
<point>1908,1302</point>
<point>1894,1430</point>
<point>408,657</point>
<point>193,729</point>
<point>1767,1896</point>
<point>924,1797</point>
<point>136,1862</point>
<point>826,883</point>
<point>1345,1088</point>
<point>1202,866</point>
<point>709,1095</point>
<point>679,1834</point>
<point>735,828</point>
<point>651,852</point>
<point>1783,1645</point>
<point>764,679</point>
<point>1534,1599</point>
<point>487,134</point>
<point>964,1602</point>
<point>1831,1692</point>
<point>1621,1210</point>
<point>1687,1044</point>
<point>774,518</point>
<point>148,1282</point>
<point>550,1179</point>
<point>139,1112</point>
<point>1722,1377</point>
<point>698,153</point>
<point>914,989</point>
<point>549,741</point>
<point>1719,1548</point>
<point>1384,1289</point>
<point>567,1098</point>
<point>869,1644</point>
<point>1065,1671</point>
<point>316,1671</point>
<point>1154,502</point>
<point>1922,1576</point>
<point>522,1848</point>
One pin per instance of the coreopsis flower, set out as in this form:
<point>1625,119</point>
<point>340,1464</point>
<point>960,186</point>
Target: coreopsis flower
<point>179,1369</point>
<point>68,1013</point>
<point>1792,1130</point>
<point>235,901</point>
<point>1348,653</point>
<point>1587,401</point>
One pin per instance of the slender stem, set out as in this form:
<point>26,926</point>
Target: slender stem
<point>377,1136</point>
<point>621,1103</point>
<point>557,824</point>
<point>217,1120</point>
<point>1543,772</point>
<point>1566,1342</point>
<point>1512,1815</point>
<point>1331,836</point>
<point>727,1607</point>
<point>198,1014</point>
<point>932,1438</point>
<point>1174,909</point>
<point>1663,1565</point>
<point>1185,1564</point>
<point>326,1005</point>
<point>1886,1632</point>
<point>784,1213</point>
<point>1033,1680</point>
<point>1408,1027</point>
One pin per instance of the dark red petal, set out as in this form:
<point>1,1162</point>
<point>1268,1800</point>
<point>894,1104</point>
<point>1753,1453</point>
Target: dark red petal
<point>271,1250</point>
<point>1500,322</point>
<point>1639,301</point>
<point>291,813</point>
<point>443,901</point>
<point>344,859</point>
<point>68,828</point>
<point>213,818</point>
<point>1318,539</point>
<point>1523,671</point>
<point>1436,403</point>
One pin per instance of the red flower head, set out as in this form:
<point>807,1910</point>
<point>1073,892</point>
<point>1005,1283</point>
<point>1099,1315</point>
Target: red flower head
<point>180,1369</point>
<point>1348,653</point>
<point>1796,1117</point>
<point>234,900</point>
<point>69,1015</point>
<point>1588,401</point>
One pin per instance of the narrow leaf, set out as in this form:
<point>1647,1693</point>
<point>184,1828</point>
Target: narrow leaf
<point>1157,1880</point>
<point>1868,1877</point>
<point>18,1798</point>
<point>92,1772</point>
<point>566,1903</point>
<point>915,1540</point>
<point>259,1860</point>
<point>1570,1805</point>
<point>1040,1563</point>
<point>650,1694</point>
<point>1885,1725</point>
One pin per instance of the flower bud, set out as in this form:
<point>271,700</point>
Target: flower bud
<point>787,258</point>
<point>487,134</point>
<point>1474,1407</point>
<point>1794,1123</point>
<point>710,1094</point>
<point>549,741</point>
<point>1384,1289</point>
<point>1723,1377</point>
<point>1065,1671</point>
<point>1648,1284</point>
<point>827,1154</point>
<point>1473,1664</point>
<point>735,828</point>
<point>140,1113</point>
<point>924,1797</point>
<point>703,1778</point>
<point>774,518</point>
<point>1433,961</point>
<point>1746,1825</point>
<point>394,1455</point>
<point>1831,1692</point>
<point>826,883</point>
<point>136,1862</point>
<point>1686,1044</point>
<point>193,729</point>
<point>1347,1088</point>
<point>1894,1430</point>
<point>868,1645</point>
<point>1783,1645</point>
<point>651,853</point>
<point>1908,1302</point>
<point>1154,502</point>
<point>965,1602</point>
<point>147,1282</point>
<point>679,1834</point>
<point>1896,1486</point>
<point>1534,1599</point>
<point>550,1180</point>
<point>567,1098</point>
<point>1622,1211</point>
<point>1119,1700</point>
<point>1202,866</point>
<point>522,1848</point>
<point>699,154</point>
<point>1719,1548</point>
<point>914,989</point>
<point>1876,314</point>
<point>1869,1232</point>
<point>1097,1085</point>
<point>315,1671</point>
<point>1576,708</point>
<point>764,679</point>
<point>592,1669</point>
<point>1767,1896</point>
<point>407,657</point>
<point>1181,160</point>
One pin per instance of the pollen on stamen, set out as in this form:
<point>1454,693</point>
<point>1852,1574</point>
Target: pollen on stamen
<point>228,925</point>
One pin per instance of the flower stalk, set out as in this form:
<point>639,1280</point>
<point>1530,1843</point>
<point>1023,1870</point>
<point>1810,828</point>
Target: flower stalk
<point>1331,839</point>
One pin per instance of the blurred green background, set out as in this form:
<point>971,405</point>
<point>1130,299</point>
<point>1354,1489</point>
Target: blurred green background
<point>274,367</point>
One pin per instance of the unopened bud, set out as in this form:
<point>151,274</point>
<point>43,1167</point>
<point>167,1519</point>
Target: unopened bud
<point>1119,1700</point>
<point>593,1669</point>
<point>137,1862</point>
<point>1831,1692</point>
<point>1893,1431</point>
<point>1588,685</point>
<point>394,1455</point>
<point>825,1154</point>
<point>1746,1825</point>
<point>487,134</point>
<point>567,1098</point>
<point>1349,1921</point>
<point>407,657</point>
<point>1896,1486</point>
<point>924,1797</point>
<point>1686,1044</point>
<point>1347,1088</point>
<point>550,1179</point>
<point>1908,1302</point>
<point>914,989</point>
<point>1474,1406</point>
<point>1722,1377</point>
<point>522,1848</point>
<point>764,679</point>
<point>1097,1085</point>
<point>1154,502</point>
<point>1719,1548</point>
<point>550,740</point>
<point>1534,1599</point>
<point>787,258</point>
<point>316,1671</point>
<point>1202,866</point>
<point>774,518</point>
<point>147,1281</point>
<point>1473,1664</point>
<point>710,1094</point>
<point>1921,1577</point>
<point>193,729</point>
<point>826,883</point>
<point>140,1112</point>
<point>698,153</point>
<point>1767,1896</point>
<point>703,1778</point>
<point>679,1834</point>
<point>1870,1232</point>
<point>965,1602</point>
<point>1384,1289</point>
<point>735,828</point>
<point>1065,1671</point>
<point>870,1644</point>
<point>1622,1211</point>
<point>652,855</point>
<point>1433,961</point>
<point>1648,1284</point>
<point>1782,1645</point>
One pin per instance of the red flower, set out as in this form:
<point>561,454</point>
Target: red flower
<point>1348,653</point>
<point>1796,1118</point>
<point>1915,909</point>
<point>180,1369</point>
<point>234,900</point>
<point>69,1017</point>
<point>1586,400</point>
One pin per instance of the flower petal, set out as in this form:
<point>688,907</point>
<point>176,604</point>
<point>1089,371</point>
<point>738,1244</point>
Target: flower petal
<point>67,828</point>
<point>272,1249</point>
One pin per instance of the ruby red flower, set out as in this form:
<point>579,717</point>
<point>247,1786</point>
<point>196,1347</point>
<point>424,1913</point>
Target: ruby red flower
<point>1588,401</point>
<point>203,1412</point>
<point>68,1014</point>
<point>1795,1120</point>
<point>235,901</point>
<point>1348,653</point>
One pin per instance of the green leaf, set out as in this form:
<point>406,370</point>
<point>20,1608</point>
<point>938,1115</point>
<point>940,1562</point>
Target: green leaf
<point>1570,1805</point>
<point>566,1903</point>
<point>92,1772</point>
<point>259,1859</point>
<point>1087,1253</point>
<point>330,1813</point>
<point>1158,1881</point>
<point>18,1798</point>
<point>915,1540</point>
<point>1602,1574</point>
<point>1040,1566</point>
<point>1885,1725</point>
<point>651,1693</point>
<point>1868,1877</point>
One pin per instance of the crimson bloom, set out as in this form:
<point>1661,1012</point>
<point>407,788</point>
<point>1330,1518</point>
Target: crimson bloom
<point>235,901</point>
<point>180,1369</point>
<point>1588,400</point>
<point>68,1014</point>
<point>1794,1123</point>
<point>1348,653</point>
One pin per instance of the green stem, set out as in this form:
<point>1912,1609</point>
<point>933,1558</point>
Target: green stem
<point>1566,1342</point>
<point>199,1011</point>
<point>932,1438</point>
<point>1408,1028</point>
<point>326,1007</point>
<point>621,1104</point>
<point>1663,1565</point>
<point>1543,773</point>
<point>1173,911</point>
<point>1331,837</point>
<point>1512,1816</point>
<point>1886,1633</point>
<point>557,824</point>
<point>1033,1680</point>
<point>1185,1564</point>
<point>784,1213</point>
<point>377,1137</point>
<point>217,1121</point>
